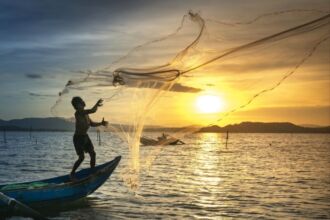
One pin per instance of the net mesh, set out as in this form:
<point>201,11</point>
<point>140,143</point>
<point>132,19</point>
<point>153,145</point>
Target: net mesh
<point>156,83</point>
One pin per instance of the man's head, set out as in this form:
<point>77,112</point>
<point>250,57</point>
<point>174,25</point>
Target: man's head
<point>78,103</point>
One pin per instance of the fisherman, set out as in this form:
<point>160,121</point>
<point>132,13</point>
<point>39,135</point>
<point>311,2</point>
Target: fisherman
<point>81,140</point>
<point>163,137</point>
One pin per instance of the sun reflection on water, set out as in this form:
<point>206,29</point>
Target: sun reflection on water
<point>206,170</point>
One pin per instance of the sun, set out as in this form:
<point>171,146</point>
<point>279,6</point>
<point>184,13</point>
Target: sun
<point>208,104</point>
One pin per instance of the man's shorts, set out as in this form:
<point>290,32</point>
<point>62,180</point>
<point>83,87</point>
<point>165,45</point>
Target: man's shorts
<point>82,143</point>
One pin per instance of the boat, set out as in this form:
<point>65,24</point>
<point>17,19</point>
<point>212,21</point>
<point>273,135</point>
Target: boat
<point>58,190</point>
<point>153,142</point>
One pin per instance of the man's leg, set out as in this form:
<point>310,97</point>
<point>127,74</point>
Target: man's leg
<point>92,154</point>
<point>77,164</point>
<point>89,147</point>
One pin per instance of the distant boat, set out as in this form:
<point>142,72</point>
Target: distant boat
<point>58,190</point>
<point>164,141</point>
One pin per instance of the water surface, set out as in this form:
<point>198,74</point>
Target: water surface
<point>266,176</point>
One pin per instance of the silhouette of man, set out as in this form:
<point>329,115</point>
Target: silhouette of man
<point>81,140</point>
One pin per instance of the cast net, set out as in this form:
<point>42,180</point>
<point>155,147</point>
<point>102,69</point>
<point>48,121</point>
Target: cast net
<point>155,84</point>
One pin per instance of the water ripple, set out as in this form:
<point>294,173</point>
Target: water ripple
<point>200,180</point>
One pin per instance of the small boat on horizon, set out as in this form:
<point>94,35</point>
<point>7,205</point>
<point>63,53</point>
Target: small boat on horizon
<point>58,190</point>
<point>162,140</point>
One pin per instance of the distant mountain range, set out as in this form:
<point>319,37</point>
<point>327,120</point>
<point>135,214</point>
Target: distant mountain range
<point>47,124</point>
<point>61,124</point>
<point>260,127</point>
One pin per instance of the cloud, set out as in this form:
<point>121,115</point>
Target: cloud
<point>41,95</point>
<point>177,87</point>
<point>33,76</point>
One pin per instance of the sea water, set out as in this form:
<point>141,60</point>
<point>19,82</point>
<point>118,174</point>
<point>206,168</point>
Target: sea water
<point>266,176</point>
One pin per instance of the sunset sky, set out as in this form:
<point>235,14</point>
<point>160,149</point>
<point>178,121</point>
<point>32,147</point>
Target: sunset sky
<point>45,43</point>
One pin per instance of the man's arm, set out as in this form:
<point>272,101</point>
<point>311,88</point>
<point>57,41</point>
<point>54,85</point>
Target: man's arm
<point>96,124</point>
<point>99,103</point>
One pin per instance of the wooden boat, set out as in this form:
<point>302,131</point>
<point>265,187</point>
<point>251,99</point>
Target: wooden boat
<point>153,142</point>
<point>58,190</point>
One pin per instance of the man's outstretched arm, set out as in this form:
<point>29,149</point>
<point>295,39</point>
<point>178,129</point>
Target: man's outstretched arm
<point>96,124</point>
<point>99,103</point>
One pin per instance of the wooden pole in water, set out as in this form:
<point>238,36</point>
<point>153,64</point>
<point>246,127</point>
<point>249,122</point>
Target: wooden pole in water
<point>227,137</point>
<point>4,136</point>
<point>30,132</point>
<point>99,136</point>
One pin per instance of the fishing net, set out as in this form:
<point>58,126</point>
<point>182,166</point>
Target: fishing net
<point>156,84</point>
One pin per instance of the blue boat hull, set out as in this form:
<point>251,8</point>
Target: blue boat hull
<point>59,190</point>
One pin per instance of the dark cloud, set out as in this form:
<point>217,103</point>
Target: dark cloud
<point>33,76</point>
<point>41,95</point>
<point>177,87</point>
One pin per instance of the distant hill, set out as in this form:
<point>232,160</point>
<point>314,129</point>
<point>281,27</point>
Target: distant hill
<point>310,126</point>
<point>49,124</point>
<point>259,127</point>
<point>61,124</point>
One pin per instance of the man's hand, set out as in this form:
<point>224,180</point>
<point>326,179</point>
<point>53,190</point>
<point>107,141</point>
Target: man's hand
<point>99,103</point>
<point>104,123</point>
